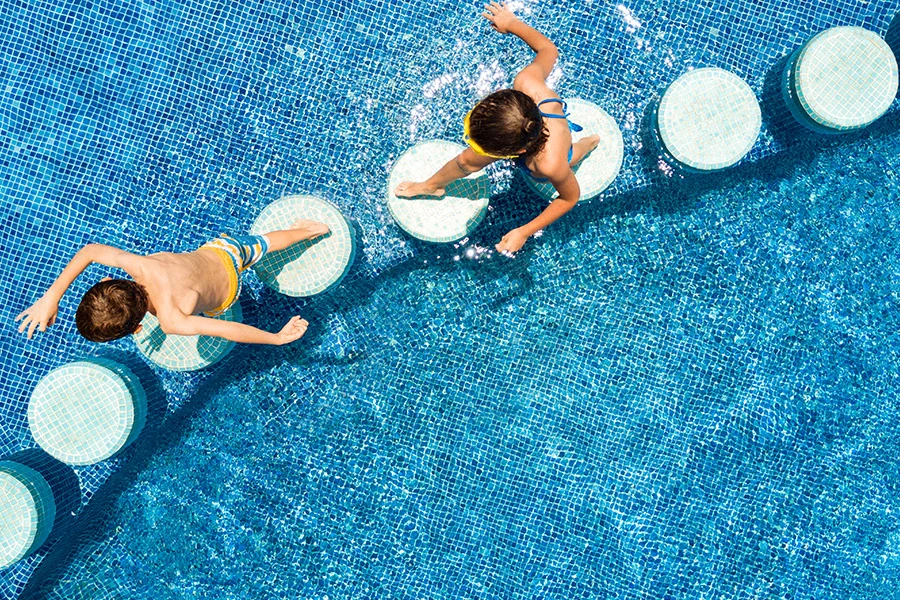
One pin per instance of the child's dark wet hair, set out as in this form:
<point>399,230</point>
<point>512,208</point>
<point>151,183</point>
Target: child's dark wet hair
<point>506,122</point>
<point>111,309</point>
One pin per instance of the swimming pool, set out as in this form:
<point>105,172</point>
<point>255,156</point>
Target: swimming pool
<point>688,388</point>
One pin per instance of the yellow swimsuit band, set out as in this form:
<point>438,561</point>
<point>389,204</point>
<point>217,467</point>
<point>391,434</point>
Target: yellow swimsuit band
<point>474,145</point>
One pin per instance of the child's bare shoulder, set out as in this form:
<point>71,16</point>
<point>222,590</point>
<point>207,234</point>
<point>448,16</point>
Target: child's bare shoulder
<point>530,81</point>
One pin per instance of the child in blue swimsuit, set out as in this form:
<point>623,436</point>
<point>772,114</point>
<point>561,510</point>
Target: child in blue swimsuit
<point>528,124</point>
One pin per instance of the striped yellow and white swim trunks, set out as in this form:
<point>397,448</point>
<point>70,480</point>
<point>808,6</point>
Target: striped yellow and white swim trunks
<point>238,253</point>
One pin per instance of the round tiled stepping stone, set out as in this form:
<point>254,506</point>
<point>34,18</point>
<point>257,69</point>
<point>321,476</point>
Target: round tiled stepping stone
<point>437,219</point>
<point>184,352</point>
<point>708,119</point>
<point>309,267</point>
<point>87,411</point>
<point>844,78</point>
<point>598,170</point>
<point>27,511</point>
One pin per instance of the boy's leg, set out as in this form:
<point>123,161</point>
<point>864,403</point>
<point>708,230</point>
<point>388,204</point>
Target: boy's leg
<point>300,230</point>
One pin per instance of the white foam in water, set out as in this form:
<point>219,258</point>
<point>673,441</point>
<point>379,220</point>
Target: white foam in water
<point>418,115</point>
<point>554,76</point>
<point>490,78</point>
<point>430,89</point>
<point>519,7</point>
<point>632,22</point>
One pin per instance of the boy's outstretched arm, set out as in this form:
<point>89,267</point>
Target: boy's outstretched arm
<point>236,332</point>
<point>504,21</point>
<point>42,313</point>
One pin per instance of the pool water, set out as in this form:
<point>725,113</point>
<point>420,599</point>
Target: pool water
<point>685,389</point>
<point>684,394</point>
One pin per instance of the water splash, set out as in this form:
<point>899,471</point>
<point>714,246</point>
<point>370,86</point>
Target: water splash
<point>431,89</point>
<point>490,78</point>
<point>632,23</point>
<point>418,115</point>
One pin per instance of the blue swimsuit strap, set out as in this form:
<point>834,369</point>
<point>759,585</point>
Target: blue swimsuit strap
<point>520,162</point>
<point>572,126</point>
<point>565,111</point>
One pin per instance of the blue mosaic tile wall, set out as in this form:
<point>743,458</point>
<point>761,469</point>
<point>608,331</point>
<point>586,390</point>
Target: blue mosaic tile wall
<point>685,389</point>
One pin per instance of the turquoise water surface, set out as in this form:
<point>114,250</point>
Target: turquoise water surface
<point>686,388</point>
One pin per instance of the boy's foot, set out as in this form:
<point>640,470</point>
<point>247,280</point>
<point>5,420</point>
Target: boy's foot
<point>408,189</point>
<point>583,147</point>
<point>313,229</point>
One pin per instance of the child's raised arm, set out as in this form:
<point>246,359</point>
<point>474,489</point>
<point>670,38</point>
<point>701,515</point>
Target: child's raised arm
<point>42,313</point>
<point>504,21</point>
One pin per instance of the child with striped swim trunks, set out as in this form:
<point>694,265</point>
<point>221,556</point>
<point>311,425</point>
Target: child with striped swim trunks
<point>181,289</point>
<point>528,124</point>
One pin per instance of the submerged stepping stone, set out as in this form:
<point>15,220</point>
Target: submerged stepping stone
<point>184,352</point>
<point>87,411</point>
<point>27,511</point>
<point>309,267</point>
<point>599,169</point>
<point>432,219</point>
<point>842,79</point>
<point>708,119</point>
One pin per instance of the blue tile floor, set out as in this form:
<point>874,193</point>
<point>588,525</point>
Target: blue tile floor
<point>683,393</point>
<point>685,388</point>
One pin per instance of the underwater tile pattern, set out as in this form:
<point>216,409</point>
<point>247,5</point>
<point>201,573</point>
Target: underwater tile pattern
<point>310,267</point>
<point>662,399</point>
<point>687,389</point>
<point>184,352</point>
<point>709,119</point>
<point>85,412</point>
<point>599,169</point>
<point>27,511</point>
<point>437,219</point>
<point>845,77</point>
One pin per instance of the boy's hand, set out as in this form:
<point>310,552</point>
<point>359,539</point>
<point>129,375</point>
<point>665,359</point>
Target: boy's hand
<point>292,331</point>
<point>512,242</point>
<point>500,16</point>
<point>40,315</point>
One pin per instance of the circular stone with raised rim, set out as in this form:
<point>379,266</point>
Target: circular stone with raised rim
<point>599,169</point>
<point>708,119</point>
<point>27,511</point>
<point>87,411</point>
<point>432,219</point>
<point>184,352</point>
<point>845,77</point>
<point>312,266</point>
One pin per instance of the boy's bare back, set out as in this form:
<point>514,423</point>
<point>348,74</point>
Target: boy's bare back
<point>182,284</point>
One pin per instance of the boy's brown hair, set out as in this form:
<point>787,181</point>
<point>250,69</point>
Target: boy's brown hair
<point>506,122</point>
<point>111,309</point>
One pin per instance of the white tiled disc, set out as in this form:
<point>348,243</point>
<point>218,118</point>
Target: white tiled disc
<point>444,219</point>
<point>27,511</point>
<point>86,411</point>
<point>598,170</point>
<point>184,352</point>
<point>845,77</point>
<point>309,267</point>
<point>708,119</point>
